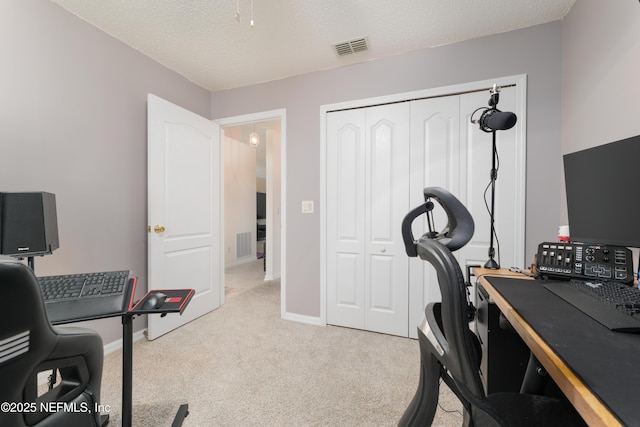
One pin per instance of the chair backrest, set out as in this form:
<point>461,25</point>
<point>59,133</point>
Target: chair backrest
<point>447,322</point>
<point>26,337</point>
<point>458,347</point>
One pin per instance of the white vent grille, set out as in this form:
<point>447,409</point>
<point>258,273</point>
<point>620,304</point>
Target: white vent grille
<point>14,346</point>
<point>243,245</point>
<point>351,46</point>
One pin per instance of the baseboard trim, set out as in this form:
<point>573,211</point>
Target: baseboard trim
<point>240,261</point>
<point>271,278</point>
<point>301,318</point>
<point>117,344</point>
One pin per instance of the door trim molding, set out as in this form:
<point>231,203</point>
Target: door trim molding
<point>519,81</point>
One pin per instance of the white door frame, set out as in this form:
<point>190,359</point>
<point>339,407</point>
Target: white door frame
<point>521,89</point>
<point>257,117</point>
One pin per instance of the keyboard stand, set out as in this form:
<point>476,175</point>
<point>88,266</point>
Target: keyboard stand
<point>127,351</point>
<point>184,296</point>
<point>127,376</point>
<point>127,369</point>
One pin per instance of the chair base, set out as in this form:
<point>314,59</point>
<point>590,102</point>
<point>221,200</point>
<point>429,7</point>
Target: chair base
<point>183,412</point>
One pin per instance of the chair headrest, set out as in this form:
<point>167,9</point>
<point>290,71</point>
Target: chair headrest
<point>454,235</point>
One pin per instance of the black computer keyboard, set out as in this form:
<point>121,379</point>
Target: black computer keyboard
<point>78,297</point>
<point>85,285</point>
<point>613,304</point>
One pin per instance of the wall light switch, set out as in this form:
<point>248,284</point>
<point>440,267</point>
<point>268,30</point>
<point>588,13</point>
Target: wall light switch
<point>307,206</point>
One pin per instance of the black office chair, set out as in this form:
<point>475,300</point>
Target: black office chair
<point>449,350</point>
<point>29,344</point>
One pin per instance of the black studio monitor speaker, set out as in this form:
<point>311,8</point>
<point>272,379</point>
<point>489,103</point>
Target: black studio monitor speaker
<point>28,224</point>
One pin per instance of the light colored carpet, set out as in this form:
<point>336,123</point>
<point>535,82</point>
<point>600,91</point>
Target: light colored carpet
<point>242,365</point>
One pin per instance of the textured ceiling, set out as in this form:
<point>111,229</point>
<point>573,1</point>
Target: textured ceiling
<point>203,41</point>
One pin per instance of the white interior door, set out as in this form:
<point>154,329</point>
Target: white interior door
<point>184,204</point>
<point>274,197</point>
<point>435,159</point>
<point>367,197</point>
<point>449,151</point>
<point>345,218</point>
<point>446,150</point>
<point>387,200</point>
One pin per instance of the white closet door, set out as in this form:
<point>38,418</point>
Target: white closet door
<point>367,197</point>
<point>449,151</point>
<point>387,201</point>
<point>345,218</point>
<point>379,160</point>
<point>435,162</point>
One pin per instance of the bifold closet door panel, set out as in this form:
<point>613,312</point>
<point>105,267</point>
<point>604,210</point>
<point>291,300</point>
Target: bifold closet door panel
<point>387,202</point>
<point>367,197</point>
<point>435,162</point>
<point>345,218</point>
<point>449,151</point>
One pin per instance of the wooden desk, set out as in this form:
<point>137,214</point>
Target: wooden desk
<point>590,407</point>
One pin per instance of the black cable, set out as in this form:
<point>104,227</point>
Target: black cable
<point>494,176</point>
<point>495,152</point>
<point>453,411</point>
<point>495,233</point>
<point>476,110</point>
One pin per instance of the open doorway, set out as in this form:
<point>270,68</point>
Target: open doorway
<point>252,200</point>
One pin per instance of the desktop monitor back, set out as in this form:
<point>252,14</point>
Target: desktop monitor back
<point>28,224</point>
<point>602,204</point>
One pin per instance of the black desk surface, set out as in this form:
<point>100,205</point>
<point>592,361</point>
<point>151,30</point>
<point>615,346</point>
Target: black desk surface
<point>607,362</point>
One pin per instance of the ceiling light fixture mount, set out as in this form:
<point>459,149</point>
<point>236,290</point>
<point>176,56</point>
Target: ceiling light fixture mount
<point>237,14</point>
<point>251,23</point>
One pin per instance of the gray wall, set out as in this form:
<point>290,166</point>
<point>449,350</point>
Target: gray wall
<point>73,122</point>
<point>600,73</point>
<point>533,51</point>
<point>600,69</point>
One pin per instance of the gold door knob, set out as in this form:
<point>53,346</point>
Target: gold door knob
<point>159,229</point>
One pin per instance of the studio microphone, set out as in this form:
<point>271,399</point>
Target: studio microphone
<point>494,119</point>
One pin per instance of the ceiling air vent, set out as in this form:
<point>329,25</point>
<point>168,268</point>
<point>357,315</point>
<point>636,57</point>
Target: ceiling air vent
<point>351,46</point>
